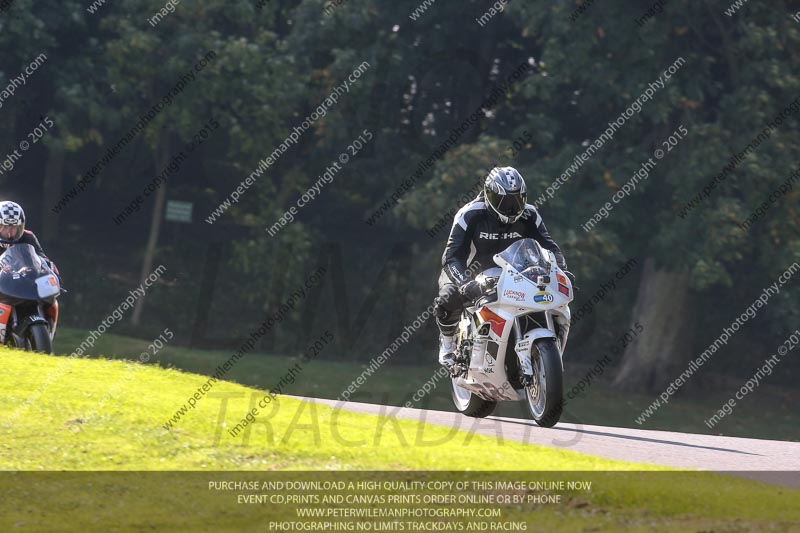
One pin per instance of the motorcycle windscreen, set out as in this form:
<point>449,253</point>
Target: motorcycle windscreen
<point>527,256</point>
<point>19,269</point>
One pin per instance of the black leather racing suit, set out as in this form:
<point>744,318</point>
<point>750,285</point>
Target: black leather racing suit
<point>476,236</point>
<point>28,237</point>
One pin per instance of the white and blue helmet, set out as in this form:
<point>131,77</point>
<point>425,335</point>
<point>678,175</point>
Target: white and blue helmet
<point>505,194</point>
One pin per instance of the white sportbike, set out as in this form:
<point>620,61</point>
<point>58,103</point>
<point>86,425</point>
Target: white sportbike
<point>511,340</point>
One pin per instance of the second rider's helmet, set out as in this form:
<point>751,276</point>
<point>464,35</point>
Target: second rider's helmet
<point>12,222</point>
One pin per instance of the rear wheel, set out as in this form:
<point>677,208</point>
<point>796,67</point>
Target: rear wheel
<point>470,404</point>
<point>466,402</point>
<point>545,394</point>
<point>38,339</point>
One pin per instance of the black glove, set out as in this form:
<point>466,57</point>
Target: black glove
<point>561,262</point>
<point>52,266</point>
<point>571,277</point>
<point>471,290</point>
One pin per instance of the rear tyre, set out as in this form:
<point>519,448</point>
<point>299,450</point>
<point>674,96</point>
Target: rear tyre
<point>38,339</point>
<point>470,404</point>
<point>545,394</point>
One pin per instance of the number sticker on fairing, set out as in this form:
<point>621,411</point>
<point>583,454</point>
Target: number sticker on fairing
<point>543,297</point>
<point>47,286</point>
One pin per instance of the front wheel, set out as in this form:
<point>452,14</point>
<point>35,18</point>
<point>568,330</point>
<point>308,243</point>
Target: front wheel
<point>545,393</point>
<point>37,339</point>
<point>470,404</point>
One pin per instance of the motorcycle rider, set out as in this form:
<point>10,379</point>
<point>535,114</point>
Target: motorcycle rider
<point>12,231</point>
<point>498,217</point>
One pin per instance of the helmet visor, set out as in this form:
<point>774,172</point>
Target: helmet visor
<point>509,205</point>
<point>11,233</point>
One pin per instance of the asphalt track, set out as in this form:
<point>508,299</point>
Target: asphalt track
<point>770,461</point>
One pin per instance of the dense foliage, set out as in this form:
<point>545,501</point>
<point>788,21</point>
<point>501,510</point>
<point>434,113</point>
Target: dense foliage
<point>275,63</point>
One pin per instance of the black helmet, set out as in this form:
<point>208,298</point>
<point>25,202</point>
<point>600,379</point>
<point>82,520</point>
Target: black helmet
<point>12,222</point>
<point>505,193</point>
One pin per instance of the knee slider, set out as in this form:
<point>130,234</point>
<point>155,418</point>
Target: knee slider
<point>438,309</point>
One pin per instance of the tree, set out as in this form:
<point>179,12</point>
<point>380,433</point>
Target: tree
<point>722,105</point>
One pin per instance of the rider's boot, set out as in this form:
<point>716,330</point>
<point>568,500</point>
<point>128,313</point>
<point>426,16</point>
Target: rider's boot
<point>447,350</point>
<point>448,345</point>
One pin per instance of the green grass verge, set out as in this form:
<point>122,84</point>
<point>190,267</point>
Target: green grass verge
<point>77,414</point>
<point>770,414</point>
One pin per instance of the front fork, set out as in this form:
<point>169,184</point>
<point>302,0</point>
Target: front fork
<point>19,326</point>
<point>524,344</point>
<point>523,350</point>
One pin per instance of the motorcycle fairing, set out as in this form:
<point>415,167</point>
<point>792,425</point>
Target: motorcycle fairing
<point>483,379</point>
<point>20,272</point>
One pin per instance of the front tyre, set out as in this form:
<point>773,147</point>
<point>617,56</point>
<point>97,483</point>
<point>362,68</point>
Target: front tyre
<point>545,395</point>
<point>37,339</point>
<point>470,404</point>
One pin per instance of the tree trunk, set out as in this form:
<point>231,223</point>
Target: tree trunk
<point>161,159</point>
<point>214,256</point>
<point>663,308</point>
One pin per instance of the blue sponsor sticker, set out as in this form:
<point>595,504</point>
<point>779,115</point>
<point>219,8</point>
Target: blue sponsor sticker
<point>543,297</point>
